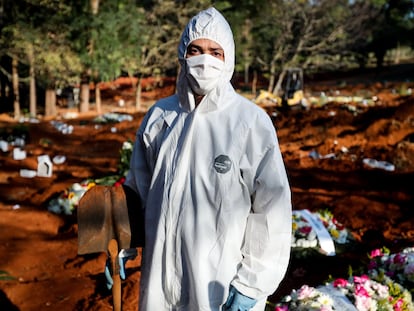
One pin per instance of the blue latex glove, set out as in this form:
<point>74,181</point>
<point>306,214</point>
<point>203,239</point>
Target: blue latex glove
<point>123,256</point>
<point>238,302</point>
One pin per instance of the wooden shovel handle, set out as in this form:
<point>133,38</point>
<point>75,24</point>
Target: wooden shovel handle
<point>116,287</point>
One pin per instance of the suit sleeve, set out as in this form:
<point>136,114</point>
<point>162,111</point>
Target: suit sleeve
<point>267,240</point>
<point>139,175</point>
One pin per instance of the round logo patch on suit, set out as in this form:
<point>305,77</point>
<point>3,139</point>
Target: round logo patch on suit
<point>222,164</point>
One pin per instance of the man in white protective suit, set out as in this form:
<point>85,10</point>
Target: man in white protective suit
<point>207,166</point>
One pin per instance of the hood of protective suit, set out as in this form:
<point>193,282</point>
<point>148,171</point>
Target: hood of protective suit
<point>208,24</point>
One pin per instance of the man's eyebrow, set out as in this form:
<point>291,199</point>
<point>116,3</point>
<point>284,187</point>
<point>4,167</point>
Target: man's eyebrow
<point>192,45</point>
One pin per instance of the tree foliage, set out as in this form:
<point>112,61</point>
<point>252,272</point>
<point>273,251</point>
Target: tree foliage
<point>166,20</point>
<point>37,30</point>
<point>110,41</point>
<point>62,39</point>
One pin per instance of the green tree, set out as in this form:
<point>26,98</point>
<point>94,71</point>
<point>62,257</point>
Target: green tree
<point>34,35</point>
<point>242,15</point>
<point>165,20</point>
<point>298,33</point>
<point>53,43</point>
<point>394,27</point>
<point>108,41</point>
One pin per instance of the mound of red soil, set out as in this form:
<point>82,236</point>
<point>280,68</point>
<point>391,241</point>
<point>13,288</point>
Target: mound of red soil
<point>324,149</point>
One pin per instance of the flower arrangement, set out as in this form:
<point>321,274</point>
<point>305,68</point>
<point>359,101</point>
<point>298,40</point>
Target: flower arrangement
<point>306,298</point>
<point>67,202</point>
<point>369,295</point>
<point>336,229</point>
<point>397,267</point>
<point>386,286</point>
<point>113,117</point>
<point>125,157</point>
<point>304,234</point>
<point>359,293</point>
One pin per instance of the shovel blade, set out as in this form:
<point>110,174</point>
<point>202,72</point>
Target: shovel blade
<point>109,212</point>
<point>95,228</point>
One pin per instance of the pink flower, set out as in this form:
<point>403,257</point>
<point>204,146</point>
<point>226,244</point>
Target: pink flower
<point>399,304</point>
<point>361,279</point>
<point>306,229</point>
<point>338,225</point>
<point>363,303</point>
<point>340,283</point>
<point>400,259</point>
<point>361,291</point>
<point>376,253</point>
<point>282,308</point>
<point>305,291</point>
<point>119,182</point>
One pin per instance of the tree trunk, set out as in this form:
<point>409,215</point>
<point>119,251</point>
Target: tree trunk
<point>279,83</point>
<point>272,77</point>
<point>32,87</point>
<point>84,95</point>
<point>246,73</point>
<point>95,6</point>
<point>247,37</point>
<point>98,101</point>
<point>254,83</point>
<point>16,95</point>
<point>50,105</point>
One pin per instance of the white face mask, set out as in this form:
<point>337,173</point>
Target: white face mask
<point>203,73</point>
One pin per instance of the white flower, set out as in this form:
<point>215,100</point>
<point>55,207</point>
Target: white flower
<point>363,303</point>
<point>77,187</point>
<point>127,145</point>
<point>325,300</point>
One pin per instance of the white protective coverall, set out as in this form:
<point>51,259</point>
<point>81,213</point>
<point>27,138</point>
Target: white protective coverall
<point>215,192</point>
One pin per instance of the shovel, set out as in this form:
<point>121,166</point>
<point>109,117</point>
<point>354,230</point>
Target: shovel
<point>102,216</point>
<point>110,218</point>
<point>116,286</point>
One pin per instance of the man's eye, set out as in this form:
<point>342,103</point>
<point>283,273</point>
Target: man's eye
<point>192,51</point>
<point>218,54</point>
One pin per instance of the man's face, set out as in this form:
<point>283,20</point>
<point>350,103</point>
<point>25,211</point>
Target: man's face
<point>205,46</point>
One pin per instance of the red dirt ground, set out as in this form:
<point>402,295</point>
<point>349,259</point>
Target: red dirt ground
<point>39,248</point>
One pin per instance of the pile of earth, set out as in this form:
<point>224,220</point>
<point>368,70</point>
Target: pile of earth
<point>324,147</point>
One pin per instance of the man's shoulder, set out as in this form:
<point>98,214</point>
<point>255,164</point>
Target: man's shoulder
<point>162,109</point>
<point>248,106</point>
<point>249,114</point>
<point>167,103</point>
